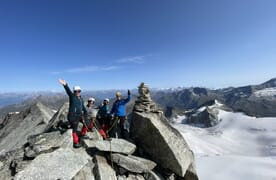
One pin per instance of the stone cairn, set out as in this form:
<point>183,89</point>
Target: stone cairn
<point>144,102</point>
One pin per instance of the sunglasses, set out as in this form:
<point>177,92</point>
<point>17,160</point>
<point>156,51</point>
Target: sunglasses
<point>77,91</point>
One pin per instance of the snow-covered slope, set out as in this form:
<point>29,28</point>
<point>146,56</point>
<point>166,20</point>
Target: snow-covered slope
<point>267,92</point>
<point>240,147</point>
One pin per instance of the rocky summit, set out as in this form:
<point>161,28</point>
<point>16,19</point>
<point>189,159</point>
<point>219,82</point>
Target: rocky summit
<point>159,140</point>
<point>37,144</point>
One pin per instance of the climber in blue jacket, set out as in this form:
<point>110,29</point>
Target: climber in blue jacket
<point>119,112</point>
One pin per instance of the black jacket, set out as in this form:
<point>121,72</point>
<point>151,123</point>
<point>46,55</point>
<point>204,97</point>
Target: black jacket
<point>76,104</point>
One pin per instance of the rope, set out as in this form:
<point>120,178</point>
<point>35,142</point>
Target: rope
<point>84,123</point>
<point>114,123</point>
<point>111,154</point>
<point>95,125</point>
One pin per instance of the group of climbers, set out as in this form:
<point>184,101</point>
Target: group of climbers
<point>109,124</point>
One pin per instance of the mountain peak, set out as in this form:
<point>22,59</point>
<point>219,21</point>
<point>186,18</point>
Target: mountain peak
<point>270,83</point>
<point>17,127</point>
<point>38,109</point>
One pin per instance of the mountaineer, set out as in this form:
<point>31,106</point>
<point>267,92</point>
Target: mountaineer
<point>76,111</point>
<point>103,118</point>
<point>91,114</point>
<point>119,112</point>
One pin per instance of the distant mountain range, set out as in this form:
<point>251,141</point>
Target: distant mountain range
<point>12,102</point>
<point>13,98</point>
<point>254,100</point>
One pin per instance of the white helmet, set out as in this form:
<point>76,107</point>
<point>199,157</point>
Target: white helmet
<point>76,88</point>
<point>92,99</point>
<point>106,99</point>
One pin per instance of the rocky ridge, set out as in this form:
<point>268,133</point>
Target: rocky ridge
<point>155,151</point>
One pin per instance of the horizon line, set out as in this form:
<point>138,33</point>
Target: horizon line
<point>125,89</point>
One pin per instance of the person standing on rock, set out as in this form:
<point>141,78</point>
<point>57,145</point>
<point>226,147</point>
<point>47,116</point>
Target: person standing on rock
<point>103,118</point>
<point>91,114</point>
<point>76,111</point>
<point>119,112</point>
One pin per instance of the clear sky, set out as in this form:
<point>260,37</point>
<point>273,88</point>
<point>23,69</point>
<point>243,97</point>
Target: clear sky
<point>108,44</point>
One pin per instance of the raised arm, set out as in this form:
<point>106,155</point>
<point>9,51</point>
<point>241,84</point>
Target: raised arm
<point>66,87</point>
<point>62,82</point>
<point>128,97</point>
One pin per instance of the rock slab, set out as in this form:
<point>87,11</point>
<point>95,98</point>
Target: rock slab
<point>133,163</point>
<point>61,164</point>
<point>102,170</point>
<point>152,176</point>
<point>43,143</point>
<point>86,172</point>
<point>164,144</point>
<point>114,145</point>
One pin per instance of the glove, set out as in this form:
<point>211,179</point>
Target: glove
<point>128,92</point>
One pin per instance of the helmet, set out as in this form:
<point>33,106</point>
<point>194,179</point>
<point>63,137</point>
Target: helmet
<point>76,88</point>
<point>106,99</point>
<point>118,93</point>
<point>92,99</point>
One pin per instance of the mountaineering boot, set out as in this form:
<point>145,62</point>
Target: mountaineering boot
<point>83,131</point>
<point>78,145</point>
<point>84,137</point>
<point>75,138</point>
<point>102,133</point>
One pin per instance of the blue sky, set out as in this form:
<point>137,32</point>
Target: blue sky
<point>109,44</point>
